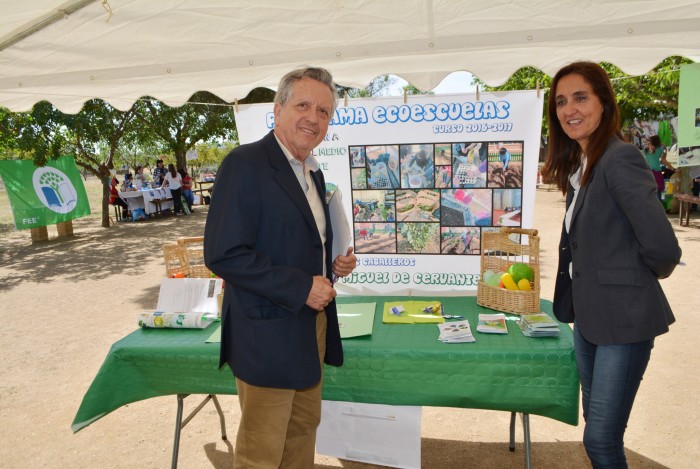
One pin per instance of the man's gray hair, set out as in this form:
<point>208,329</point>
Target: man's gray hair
<point>316,73</point>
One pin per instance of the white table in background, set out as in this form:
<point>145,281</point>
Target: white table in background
<point>142,199</point>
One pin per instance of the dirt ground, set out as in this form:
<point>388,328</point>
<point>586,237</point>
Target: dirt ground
<point>64,302</point>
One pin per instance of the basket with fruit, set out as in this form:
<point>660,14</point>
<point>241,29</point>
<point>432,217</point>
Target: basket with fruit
<point>510,272</point>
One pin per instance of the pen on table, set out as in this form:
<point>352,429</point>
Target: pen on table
<point>450,316</point>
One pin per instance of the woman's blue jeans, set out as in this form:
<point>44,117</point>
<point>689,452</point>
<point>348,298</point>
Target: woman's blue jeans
<point>610,376</point>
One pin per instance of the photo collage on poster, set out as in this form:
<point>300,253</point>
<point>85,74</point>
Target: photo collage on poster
<point>434,198</point>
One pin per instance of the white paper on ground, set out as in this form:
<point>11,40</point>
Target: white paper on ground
<point>373,433</point>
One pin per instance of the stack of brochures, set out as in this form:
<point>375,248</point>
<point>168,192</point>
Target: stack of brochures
<point>492,323</point>
<point>538,325</point>
<point>455,332</point>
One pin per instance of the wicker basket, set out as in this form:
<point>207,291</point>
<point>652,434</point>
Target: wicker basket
<point>193,256</point>
<point>497,253</point>
<point>174,260</point>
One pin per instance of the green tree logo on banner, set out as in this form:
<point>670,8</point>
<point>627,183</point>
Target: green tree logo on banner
<point>55,190</point>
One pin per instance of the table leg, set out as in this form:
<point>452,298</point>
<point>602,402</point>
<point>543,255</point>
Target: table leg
<point>680,213</point>
<point>221,417</point>
<point>178,428</point>
<point>511,446</point>
<point>180,424</point>
<point>526,432</point>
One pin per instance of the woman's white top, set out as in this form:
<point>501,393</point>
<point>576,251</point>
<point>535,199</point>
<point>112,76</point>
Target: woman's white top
<point>173,182</point>
<point>575,181</point>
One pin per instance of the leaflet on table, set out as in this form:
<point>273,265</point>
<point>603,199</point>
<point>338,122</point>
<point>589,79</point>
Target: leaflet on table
<point>492,323</point>
<point>455,332</point>
<point>538,325</point>
<point>159,319</point>
<point>356,319</point>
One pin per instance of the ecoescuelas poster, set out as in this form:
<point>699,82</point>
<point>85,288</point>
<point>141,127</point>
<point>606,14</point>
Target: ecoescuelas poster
<point>423,179</point>
<point>42,196</point>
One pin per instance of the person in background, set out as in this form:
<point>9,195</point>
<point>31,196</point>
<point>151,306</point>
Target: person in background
<point>655,154</point>
<point>616,242</point>
<point>174,182</point>
<point>186,187</point>
<point>268,235</point>
<point>159,173</point>
<point>128,184</point>
<point>114,198</point>
<point>139,182</point>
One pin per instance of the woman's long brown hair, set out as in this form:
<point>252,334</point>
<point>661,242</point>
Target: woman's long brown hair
<point>563,153</point>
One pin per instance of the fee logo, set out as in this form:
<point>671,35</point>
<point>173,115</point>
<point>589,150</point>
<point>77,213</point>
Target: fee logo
<point>54,189</point>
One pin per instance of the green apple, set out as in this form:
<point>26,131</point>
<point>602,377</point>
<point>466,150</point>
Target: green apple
<point>519,271</point>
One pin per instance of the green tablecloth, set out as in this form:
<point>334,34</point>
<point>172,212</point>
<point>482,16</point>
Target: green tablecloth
<point>397,365</point>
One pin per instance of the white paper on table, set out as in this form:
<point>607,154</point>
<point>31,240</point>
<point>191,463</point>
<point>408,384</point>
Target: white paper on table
<point>373,433</point>
<point>340,225</point>
<point>189,295</point>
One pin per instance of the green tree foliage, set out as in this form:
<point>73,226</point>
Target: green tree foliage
<point>6,139</point>
<point>653,96</point>
<point>646,97</point>
<point>46,133</point>
<point>38,134</point>
<point>100,136</point>
<point>209,156</point>
<point>204,118</point>
<point>98,123</point>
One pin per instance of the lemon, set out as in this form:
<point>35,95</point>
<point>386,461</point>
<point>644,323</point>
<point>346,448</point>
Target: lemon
<point>508,281</point>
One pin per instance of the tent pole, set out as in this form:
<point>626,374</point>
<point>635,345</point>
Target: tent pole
<point>42,22</point>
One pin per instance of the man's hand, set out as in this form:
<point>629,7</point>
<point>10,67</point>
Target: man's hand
<point>344,265</point>
<point>321,293</point>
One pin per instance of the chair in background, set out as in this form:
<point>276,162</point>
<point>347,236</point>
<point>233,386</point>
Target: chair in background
<point>192,249</point>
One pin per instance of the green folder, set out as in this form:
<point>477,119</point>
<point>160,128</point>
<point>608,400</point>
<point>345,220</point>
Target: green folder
<point>356,319</point>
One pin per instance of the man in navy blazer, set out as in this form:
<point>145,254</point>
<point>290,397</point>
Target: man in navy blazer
<point>268,235</point>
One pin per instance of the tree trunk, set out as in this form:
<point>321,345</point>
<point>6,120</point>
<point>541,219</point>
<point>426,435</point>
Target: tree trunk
<point>106,179</point>
<point>181,159</point>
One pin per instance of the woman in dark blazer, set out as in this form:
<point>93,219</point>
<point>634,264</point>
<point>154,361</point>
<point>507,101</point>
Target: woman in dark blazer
<point>616,242</point>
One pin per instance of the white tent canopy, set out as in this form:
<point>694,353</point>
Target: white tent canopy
<point>170,49</point>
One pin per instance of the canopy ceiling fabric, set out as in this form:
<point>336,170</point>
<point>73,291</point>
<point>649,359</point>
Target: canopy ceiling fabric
<point>171,49</point>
